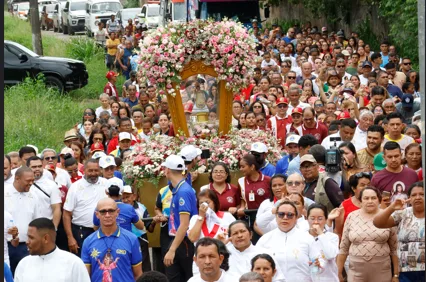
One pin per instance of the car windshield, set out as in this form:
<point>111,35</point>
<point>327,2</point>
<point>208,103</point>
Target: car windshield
<point>129,14</point>
<point>23,7</point>
<point>106,7</point>
<point>25,49</point>
<point>78,6</point>
<point>154,11</point>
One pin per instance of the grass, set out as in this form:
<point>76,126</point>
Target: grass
<point>39,116</point>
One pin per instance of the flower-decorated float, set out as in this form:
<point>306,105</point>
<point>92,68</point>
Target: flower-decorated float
<point>180,51</point>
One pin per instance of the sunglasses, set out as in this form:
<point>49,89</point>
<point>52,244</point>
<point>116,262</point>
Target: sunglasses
<point>340,67</point>
<point>88,114</point>
<point>110,211</point>
<point>257,107</point>
<point>49,158</point>
<point>319,105</point>
<point>289,215</point>
<point>363,174</point>
<point>294,183</point>
<point>98,139</point>
<point>291,77</point>
<point>405,64</point>
<point>281,106</point>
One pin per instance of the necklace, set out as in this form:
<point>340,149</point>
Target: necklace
<point>106,245</point>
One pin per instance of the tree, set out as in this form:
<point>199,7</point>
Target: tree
<point>35,27</point>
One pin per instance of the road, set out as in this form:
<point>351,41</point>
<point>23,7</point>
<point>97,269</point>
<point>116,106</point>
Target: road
<point>62,36</point>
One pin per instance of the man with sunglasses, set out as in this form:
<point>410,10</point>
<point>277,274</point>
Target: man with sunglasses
<point>277,124</point>
<point>49,157</point>
<point>259,150</point>
<point>406,65</point>
<point>81,201</point>
<point>111,252</point>
<point>319,187</point>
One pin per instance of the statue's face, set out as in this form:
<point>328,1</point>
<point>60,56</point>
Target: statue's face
<point>200,99</point>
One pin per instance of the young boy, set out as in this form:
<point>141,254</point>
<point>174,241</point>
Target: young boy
<point>130,197</point>
<point>268,64</point>
<point>105,106</point>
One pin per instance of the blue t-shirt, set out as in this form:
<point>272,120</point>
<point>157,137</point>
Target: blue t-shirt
<point>183,201</point>
<point>115,265</point>
<point>125,218</point>
<point>268,170</point>
<point>294,166</point>
<point>7,273</point>
<point>130,103</point>
<point>282,165</point>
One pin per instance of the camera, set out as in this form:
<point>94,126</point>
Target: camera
<point>333,157</point>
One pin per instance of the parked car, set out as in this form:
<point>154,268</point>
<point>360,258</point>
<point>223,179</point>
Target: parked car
<point>21,10</point>
<point>125,14</point>
<point>150,15</point>
<point>47,16</point>
<point>73,16</point>
<point>99,11</point>
<point>57,15</point>
<point>61,73</point>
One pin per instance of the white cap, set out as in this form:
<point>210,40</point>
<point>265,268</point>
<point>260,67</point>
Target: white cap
<point>124,136</point>
<point>292,139</point>
<point>98,155</point>
<point>114,181</point>
<point>189,152</point>
<point>67,150</point>
<point>259,147</point>
<point>174,162</point>
<point>127,189</point>
<point>106,161</point>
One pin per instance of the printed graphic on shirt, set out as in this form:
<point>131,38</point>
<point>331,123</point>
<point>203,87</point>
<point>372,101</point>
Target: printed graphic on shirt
<point>230,199</point>
<point>181,202</point>
<point>260,192</point>
<point>398,191</point>
<point>107,265</point>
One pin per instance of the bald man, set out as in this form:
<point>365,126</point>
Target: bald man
<point>111,246</point>
<point>47,262</point>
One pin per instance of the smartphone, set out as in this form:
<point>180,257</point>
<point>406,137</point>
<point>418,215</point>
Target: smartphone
<point>386,194</point>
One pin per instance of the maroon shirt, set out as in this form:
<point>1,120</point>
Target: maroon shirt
<point>385,180</point>
<point>320,131</point>
<point>230,197</point>
<point>260,189</point>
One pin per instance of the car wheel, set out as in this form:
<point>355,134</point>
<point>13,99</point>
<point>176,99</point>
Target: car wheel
<point>65,29</point>
<point>55,29</point>
<point>54,82</point>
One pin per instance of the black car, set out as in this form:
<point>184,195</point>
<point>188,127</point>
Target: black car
<point>62,73</point>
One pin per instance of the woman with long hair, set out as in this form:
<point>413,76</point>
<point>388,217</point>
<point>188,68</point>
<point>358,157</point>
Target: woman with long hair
<point>351,163</point>
<point>79,154</point>
<point>88,128</point>
<point>213,91</point>
<point>99,137</point>
<point>88,114</point>
<point>242,121</point>
<point>353,43</point>
<point>250,119</point>
<point>367,246</point>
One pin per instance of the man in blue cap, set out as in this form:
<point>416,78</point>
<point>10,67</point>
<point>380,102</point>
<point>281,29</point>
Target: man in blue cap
<point>407,107</point>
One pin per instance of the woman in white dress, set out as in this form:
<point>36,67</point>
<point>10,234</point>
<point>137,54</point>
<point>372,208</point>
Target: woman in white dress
<point>293,248</point>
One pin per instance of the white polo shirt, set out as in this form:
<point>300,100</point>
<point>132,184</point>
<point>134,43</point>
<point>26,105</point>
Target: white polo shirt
<point>8,223</point>
<point>57,266</point>
<point>45,203</point>
<point>23,207</point>
<point>327,144</point>
<point>62,177</point>
<point>360,139</point>
<point>82,199</point>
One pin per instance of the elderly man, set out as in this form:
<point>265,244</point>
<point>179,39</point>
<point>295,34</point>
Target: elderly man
<point>22,204</point>
<point>47,191</point>
<point>389,106</point>
<point>111,245</point>
<point>82,197</point>
<point>294,93</point>
<point>359,140</point>
<point>319,187</point>
<point>47,262</point>
<point>307,74</point>
<point>49,157</point>
<point>124,58</point>
<point>131,98</point>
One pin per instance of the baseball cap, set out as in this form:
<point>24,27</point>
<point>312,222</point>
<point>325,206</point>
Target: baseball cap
<point>66,150</point>
<point>259,147</point>
<point>297,110</point>
<point>106,161</point>
<point>340,33</point>
<point>324,29</point>
<point>34,147</point>
<point>98,154</point>
<point>347,91</point>
<point>344,115</point>
<point>127,189</point>
<point>124,135</point>
<point>174,162</point>
<point>189,152</point>
<point>97,147</point>
<point>133,73</point>
<point>282,100</point>
<point>379,162</point>
<point>367,64</point>
<point>308,158</point>
<point>292,139</point>
<point>111,74</point>
<point>346,53</point>
<point>407,100</point>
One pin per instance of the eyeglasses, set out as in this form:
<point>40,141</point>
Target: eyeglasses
<point>88,114</point>
<point>363,174</point>
<point>257,107</point>
<point>286,66</point>
<point>261,120</point>
<point>219,172</point>
<point>293,183</point>
<point>289,215</point>
<point>98,138</point>
<point>281,106</point>
<point>110,211</point>
<point>405,64</point>
<point>49,158</point>
<point>340,67</point>
<point>291,77</point>
<point>319,105</point>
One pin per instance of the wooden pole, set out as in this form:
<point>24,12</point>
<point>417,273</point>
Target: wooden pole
<point>35,27</point>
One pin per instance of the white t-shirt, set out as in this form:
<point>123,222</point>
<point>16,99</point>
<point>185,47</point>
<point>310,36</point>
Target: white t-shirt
<point>23,207</point>
<point>328,243</point>
<point>57,266</point>
<point>8,223</point>
<point>82,199</point>
<point>99,110</point>
<point>45,203</point>
<point>271,63</point>
<point>225,277</point>
<point>326,143</point>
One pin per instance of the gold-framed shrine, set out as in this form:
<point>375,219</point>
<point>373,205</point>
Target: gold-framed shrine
<point>224,100</point>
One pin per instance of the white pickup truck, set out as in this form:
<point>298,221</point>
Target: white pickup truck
<point>73,16</point>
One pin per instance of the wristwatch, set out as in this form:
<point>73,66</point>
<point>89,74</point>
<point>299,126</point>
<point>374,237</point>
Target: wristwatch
<point>396,275</point>
<point>200,218</point>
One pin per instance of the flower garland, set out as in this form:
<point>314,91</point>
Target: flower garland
<point>225,45</point>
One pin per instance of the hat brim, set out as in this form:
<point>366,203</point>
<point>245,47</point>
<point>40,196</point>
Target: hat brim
<point>282,103</point>
<point>70,138</point>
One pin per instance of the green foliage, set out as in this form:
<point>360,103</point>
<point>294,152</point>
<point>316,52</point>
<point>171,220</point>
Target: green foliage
<point>285,24</point>
<point>131,4</point>
<point>366,33</point>
<point>83,49</point>
<point>34,114</point>
<point>403,22</point>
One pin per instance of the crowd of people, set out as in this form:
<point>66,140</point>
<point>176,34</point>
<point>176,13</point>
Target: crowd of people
<point>344,203</point>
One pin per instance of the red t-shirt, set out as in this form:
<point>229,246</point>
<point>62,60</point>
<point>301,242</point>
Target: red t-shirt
<point>320,131</point>
<point>259,189</point>
<point>110,89</point>
<point>385,180</point>
<point>349,207</point>
<point>279,127</point>
<point>230,197</point>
